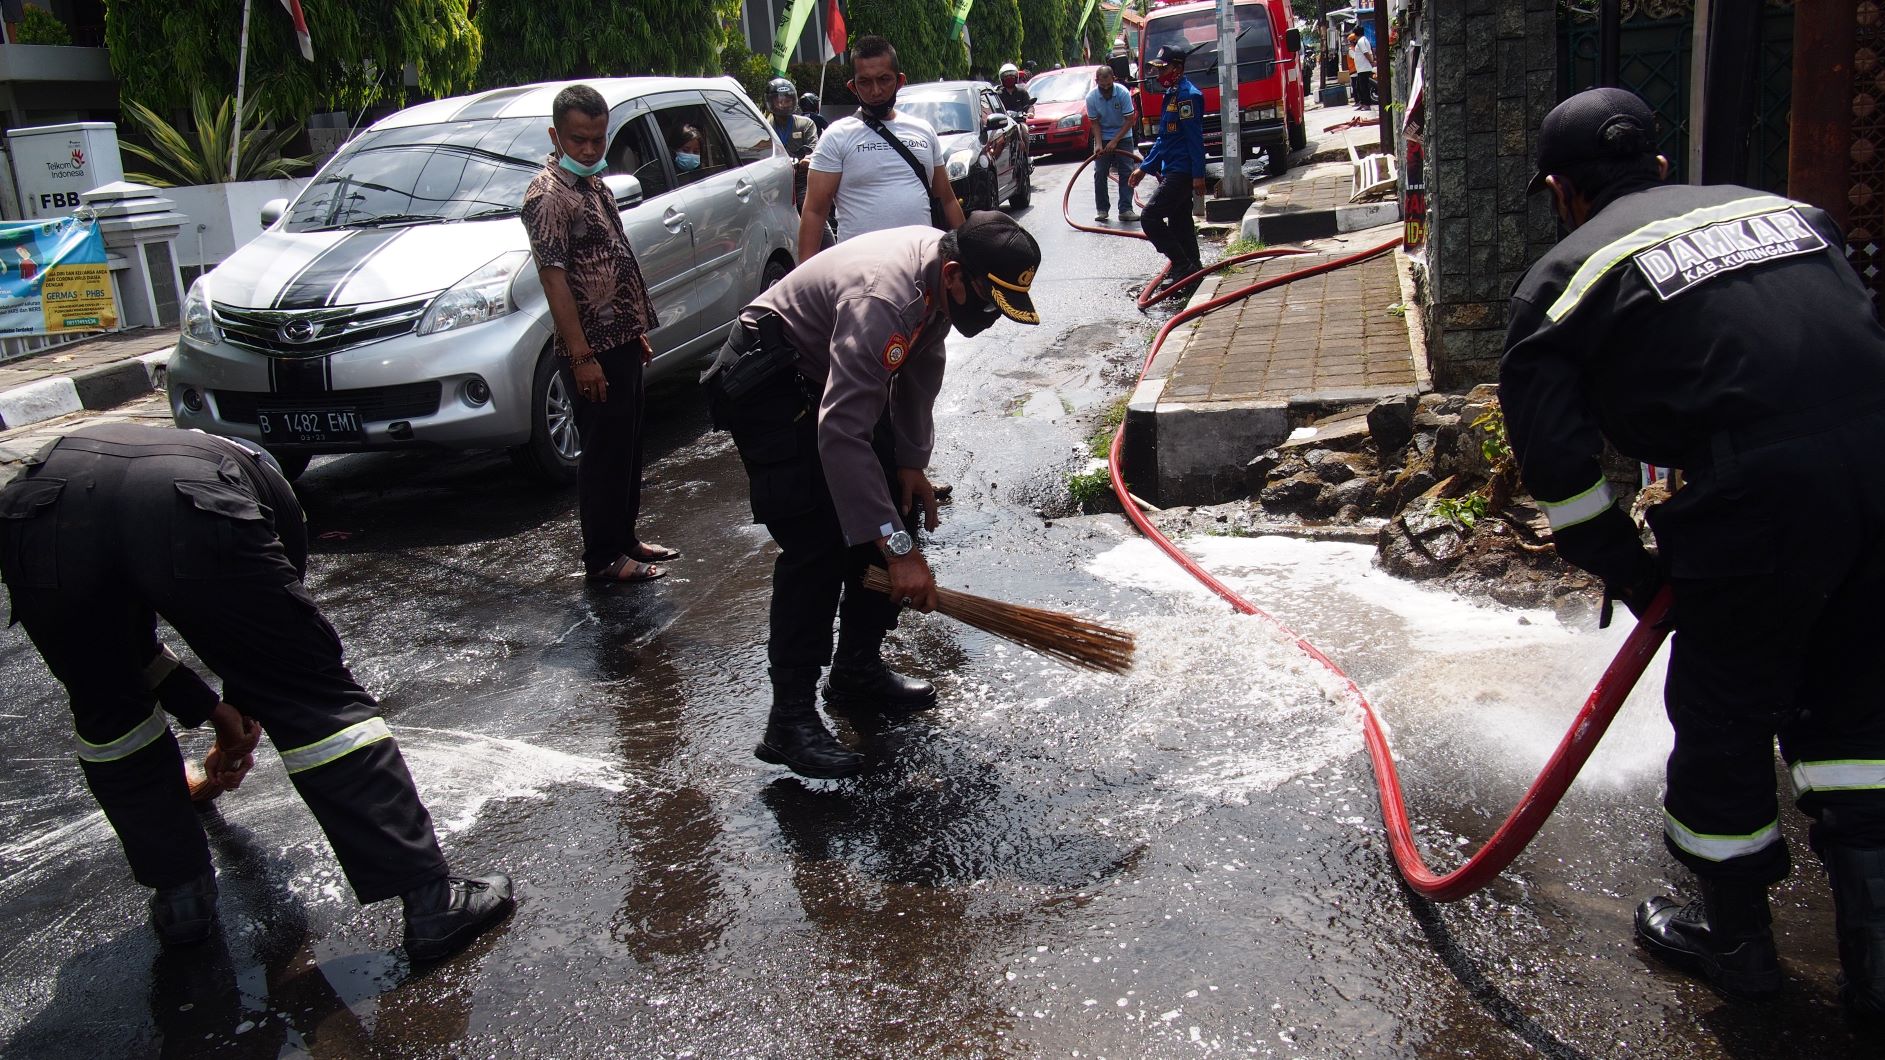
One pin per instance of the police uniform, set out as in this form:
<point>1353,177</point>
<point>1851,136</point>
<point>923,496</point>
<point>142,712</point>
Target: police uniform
<point>1720,331</point>
<point>116,524</point>
<point>1176,159</point>
<point>856,336</point>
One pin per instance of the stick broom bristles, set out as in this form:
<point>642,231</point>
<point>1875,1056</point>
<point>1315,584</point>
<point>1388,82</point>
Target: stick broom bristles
<point>1072,640</point>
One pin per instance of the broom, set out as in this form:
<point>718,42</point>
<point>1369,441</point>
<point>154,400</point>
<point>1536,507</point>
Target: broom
<point>1072,640</point>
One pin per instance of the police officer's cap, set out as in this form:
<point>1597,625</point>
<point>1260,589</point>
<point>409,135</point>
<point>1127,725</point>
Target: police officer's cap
<point>992,247</point>
<point>1596,124</point>
<point>1171,55</point>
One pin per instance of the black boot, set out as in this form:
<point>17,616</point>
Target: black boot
<point>183,914</point>
<point>796,737</point>
<point>444,916</point>
<point>1724,936</point>
<point>1858,878</point>
<point>860,680</point>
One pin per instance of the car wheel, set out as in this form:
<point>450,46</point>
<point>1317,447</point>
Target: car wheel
<point>554,449</point>
<point>775,271</point>
<point>292,464</point>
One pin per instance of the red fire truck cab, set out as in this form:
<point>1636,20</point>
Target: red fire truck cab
<point>1269,75</point>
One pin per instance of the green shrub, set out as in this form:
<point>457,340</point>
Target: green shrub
<point>39,26</point>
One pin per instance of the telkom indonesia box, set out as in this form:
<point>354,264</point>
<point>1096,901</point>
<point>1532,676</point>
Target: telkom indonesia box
<point>54,163</point>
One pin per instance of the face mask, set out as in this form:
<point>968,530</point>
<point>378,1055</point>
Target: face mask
<point>1169,79</point>
<point>881,111</point>
<point>686,162</point>
<point>579,169</point>
<point>972,317</point>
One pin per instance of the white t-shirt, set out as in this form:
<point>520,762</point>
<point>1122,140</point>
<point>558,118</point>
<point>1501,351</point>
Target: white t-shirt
<point>877,189</point>
<point>1364,55</point>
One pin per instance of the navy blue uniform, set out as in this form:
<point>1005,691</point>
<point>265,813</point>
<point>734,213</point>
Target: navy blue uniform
<point>1719,330</point>
<point>1176,159</point>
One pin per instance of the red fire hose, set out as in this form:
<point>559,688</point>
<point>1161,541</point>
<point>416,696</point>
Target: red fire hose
<point>1572,752</point>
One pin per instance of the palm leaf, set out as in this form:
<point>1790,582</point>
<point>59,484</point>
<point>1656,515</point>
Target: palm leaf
<point>179,160</point>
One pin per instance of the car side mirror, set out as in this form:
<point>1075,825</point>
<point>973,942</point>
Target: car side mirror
<point>997,122</point>
<point>1294,39</point>
<point>272,211</point>
<point>625,188</point>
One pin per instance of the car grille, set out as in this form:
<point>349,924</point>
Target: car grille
<point>375,404</point>
<point>272,332</point>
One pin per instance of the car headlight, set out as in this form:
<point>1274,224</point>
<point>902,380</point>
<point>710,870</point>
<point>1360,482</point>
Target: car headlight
<point>1068,122</point>
<point>198,325</point>
<point>959,163</point>
<point>483,295</point>
<point>1260,114</point>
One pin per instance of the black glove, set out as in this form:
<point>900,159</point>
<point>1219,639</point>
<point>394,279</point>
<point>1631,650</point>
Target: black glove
<point>1636,593</point>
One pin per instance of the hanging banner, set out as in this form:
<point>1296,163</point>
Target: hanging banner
<point>1079,29</point>
<point>53,278</point>
<point>791,27</point>
<point>959,20</point>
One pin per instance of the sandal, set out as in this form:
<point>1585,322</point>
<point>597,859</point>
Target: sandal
<point>628,569</point>
<point>648,553</point>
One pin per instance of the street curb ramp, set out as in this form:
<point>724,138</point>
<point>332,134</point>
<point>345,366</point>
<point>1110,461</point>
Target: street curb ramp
<point>101,387</point>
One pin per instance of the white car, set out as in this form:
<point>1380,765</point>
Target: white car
<point>395,302</point>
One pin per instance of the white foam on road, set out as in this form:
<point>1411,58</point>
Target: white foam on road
<point>459,773</point>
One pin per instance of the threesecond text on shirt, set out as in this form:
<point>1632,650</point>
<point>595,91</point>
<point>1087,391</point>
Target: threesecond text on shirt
<point>1680,262</point>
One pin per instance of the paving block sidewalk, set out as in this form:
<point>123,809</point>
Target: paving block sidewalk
<point>97,373</point>
<point>1234,382</point>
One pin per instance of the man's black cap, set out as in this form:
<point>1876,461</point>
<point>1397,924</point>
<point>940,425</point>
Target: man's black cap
<point>993,248</point>
<point>1171,55</point>
<point>1595,124</point>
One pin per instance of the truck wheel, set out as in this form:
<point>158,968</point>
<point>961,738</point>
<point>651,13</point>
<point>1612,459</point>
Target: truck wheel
<point>554,447</point>
<point>1278,157</point>
<point>1298,135</point>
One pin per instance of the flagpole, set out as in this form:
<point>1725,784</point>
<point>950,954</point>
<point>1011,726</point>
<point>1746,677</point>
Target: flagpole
<point>242,76</point>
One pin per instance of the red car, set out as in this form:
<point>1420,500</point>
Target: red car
<point>1057,121</point>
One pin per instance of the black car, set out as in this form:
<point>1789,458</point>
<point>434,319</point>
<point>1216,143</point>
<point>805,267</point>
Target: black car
<point>984,148</point>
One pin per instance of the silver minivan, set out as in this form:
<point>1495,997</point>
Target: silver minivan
<point>394,303</point>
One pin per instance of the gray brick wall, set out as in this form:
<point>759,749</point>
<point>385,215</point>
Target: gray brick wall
<point>1491,68</point>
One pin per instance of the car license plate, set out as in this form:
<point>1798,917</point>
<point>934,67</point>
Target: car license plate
<point>308,427</point>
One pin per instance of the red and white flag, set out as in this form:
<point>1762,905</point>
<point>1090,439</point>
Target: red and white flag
<point>301,28</point>
<point>835,33</point>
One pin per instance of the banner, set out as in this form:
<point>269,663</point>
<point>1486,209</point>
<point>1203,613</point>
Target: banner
<point>1079,30</point>
<point>53,278</point>
<point>791,27</point>
<point>959,20</point>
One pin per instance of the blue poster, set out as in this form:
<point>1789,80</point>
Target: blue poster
<point>54,279</point>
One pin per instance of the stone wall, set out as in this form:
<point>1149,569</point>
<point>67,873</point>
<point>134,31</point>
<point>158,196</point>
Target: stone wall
<point>1490,67</point>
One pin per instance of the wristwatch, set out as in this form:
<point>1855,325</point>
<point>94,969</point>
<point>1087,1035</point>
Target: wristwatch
<point>899,543</point>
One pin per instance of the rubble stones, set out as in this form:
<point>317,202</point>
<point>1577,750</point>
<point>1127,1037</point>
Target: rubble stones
<point>1293,494</point>
<point>1391,424</point>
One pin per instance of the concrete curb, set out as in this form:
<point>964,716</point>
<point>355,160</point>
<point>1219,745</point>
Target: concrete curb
<point>1300,226</point>
<point>100,387</point>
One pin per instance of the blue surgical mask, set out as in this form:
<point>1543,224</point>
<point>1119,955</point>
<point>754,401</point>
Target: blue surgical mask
<point>686,161</point>
<point>581,170</point>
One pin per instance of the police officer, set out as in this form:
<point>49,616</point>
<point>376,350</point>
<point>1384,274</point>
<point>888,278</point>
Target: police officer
<point>1177,159</point>
<point>116,524</point>
<point>1013,96</point>
<point>828,383</point>
<point>1720,331</point>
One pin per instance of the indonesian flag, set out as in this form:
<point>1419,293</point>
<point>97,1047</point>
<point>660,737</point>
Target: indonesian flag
<point>301,28</point>
<point>834,28</point>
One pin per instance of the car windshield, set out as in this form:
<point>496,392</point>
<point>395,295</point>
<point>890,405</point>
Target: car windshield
<point>425,173</point>
<point>948,114</point>
<point>1067,86</point>
<point>1199,30</point>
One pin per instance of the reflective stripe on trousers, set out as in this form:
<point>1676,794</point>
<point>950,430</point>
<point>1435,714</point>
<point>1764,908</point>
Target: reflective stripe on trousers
<point>339,745</point>
<point>1582,508</point>
<point>146,732</point>
<point>1852,774</point>
<point>1720,847</point>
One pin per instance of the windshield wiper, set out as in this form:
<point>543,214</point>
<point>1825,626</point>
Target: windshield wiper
<point>501,211</point>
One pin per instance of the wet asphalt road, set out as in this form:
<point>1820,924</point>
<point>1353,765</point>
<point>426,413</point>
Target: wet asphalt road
<point>1184,862</point>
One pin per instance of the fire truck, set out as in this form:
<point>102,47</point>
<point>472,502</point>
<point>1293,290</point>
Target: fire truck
<point>1269,74</point>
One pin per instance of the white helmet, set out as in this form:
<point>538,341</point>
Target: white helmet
<point>1006,69</point>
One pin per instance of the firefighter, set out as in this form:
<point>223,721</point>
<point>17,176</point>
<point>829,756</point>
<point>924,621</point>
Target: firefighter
<point>1177,160</point>
<point>113,525</point>
<point>828,383</point>
<point>1013,97</point>
<point>1719,330</point>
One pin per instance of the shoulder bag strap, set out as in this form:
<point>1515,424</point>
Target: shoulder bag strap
<point>902,149</point>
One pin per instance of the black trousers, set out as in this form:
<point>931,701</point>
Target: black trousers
<point>817,576</point>
<point>94,545</point>
<point>1167,221</point>
<point>1364,88</point>
<point>608,478</point>
<point>1776,638</point>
